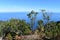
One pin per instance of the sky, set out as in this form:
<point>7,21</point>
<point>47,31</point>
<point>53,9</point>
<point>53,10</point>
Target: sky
<point>28,5</point>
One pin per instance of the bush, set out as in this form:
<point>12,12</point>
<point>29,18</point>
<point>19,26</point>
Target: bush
<point>8,37</point>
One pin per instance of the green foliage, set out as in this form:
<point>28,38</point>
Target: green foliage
<point>13,26</point>
<point>21,27</point>
<point>8,37</point>
<point>27,31</point>
<point>40,25</point>
<point>50,28</point>
<point>32,15</point>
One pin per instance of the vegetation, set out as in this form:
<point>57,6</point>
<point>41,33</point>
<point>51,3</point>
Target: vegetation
<point>32,15</point>
<point>45,29</point>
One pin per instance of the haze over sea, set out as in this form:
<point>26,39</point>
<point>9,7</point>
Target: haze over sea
<point>23,15</point>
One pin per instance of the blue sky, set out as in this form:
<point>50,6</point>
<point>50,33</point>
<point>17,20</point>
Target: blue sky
<point>28,5</point>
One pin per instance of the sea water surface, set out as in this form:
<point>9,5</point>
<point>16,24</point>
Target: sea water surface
<point>23,15</point>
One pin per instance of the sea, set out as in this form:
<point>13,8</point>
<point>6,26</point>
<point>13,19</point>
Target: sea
<point>23,15</point>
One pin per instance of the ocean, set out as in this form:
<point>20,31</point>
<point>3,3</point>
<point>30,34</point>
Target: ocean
<point>23,15</point>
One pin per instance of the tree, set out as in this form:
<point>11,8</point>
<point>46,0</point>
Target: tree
<point>1,27</point>
<point>14,26</point>
<point>58,27</point>
<point>40,25</point>
<point>49,26</point>
<point>51,29</point>
<point>32,15</point>
<point>45,16</point>
<point>46,19</point>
